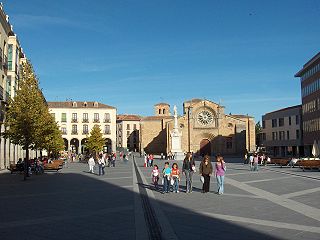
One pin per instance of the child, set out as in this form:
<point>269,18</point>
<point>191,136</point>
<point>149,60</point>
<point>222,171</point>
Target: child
<point>175,175</point>
<point>166,177</point>
<point>155,176</point>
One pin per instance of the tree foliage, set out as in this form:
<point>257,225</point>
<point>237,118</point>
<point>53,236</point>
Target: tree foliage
<point>28,122</point>
<point>96,141</point>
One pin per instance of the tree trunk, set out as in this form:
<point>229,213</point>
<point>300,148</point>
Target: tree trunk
<point>26,164</point>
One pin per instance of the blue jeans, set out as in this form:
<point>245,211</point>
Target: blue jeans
<point>189,180</point>
<point>255,167</point>
<point>220,182</point>
<point>166,184</point>
<point>176,185</point>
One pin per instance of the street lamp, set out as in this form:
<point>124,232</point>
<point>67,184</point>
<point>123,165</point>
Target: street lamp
<point>189,114</point>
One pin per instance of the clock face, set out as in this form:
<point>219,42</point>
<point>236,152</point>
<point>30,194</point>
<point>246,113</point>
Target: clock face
<point>205,118</point>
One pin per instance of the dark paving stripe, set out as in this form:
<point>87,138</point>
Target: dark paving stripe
<point>154,229</point>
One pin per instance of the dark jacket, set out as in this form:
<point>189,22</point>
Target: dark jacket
<point>187,165</point>
<point>206,169</point>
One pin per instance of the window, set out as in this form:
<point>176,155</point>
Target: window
<point>159,111</point>
<point>128,133</point>
<point>107,117</point>
<point>85,129</point>
<point>229,143</point>
<point>85,118</point>
<point>163,111</point>
<point>274,136</point>
<point>281,122</point>
<point>297,119</point>
<point>74,104</point>
<point>263,136</point>
<point>289,121</point>
<point>74,129</point>
<point>96,117</point>
<point>53,116</point>
<point>288,135</point>
<point>74,117</point>
<point>263,124</point>
<point>297,134</point>
<point>281,135</point>
<point>274,123</point>
<point>134,126</point>
<point>128,126</point>
<point>107,129</point>
<point>10,57</point>
<point>63,130</point>
<point>63,117</point>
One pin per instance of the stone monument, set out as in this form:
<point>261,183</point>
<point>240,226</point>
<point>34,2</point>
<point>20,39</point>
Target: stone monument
<point>176,138</point>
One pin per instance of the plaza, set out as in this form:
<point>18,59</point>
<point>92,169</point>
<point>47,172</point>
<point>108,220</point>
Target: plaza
<point>273,203</point>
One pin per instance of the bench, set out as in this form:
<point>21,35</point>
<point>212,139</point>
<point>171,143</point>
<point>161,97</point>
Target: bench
<point>59,162</point>
<point>280,161</point>
<point>309,164</point>
<point>52,166</point>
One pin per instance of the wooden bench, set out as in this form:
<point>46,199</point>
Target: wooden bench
<point>59,162</point>
<point>280,161</point>
<point>310,164</point>
<point>52,167</point>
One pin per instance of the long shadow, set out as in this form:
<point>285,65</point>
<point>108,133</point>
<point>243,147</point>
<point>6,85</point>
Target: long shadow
<point>78,206</point>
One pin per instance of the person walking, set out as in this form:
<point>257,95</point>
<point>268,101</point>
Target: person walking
<point>175,175</point>
<point>91,164</point>
<point>255,162</point>
<point>251,158</point>
<point>101,163</point>
<point>188,168</point>
<point>155,176</point>
<point>205,171</point>
<point>220,168</point>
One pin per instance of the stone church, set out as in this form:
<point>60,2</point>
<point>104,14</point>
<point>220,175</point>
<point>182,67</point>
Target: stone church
<point>204,128</point>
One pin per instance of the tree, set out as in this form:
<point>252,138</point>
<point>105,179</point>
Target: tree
<point>258,133</point>
<point>25,113</point>
<point>96,141</point>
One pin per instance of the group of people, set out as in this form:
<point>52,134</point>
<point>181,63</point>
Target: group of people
<point>255,159</point>
<point>148,160</point>
<point>102,161</point>
<point>171,176</point>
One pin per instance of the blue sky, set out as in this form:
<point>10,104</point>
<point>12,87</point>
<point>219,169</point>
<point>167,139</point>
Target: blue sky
<point>132,54</point>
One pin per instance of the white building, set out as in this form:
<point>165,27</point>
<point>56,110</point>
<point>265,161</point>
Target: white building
<point>76,119</point>
<point>128,127</point>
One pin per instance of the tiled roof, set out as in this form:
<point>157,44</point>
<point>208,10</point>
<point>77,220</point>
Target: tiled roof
<point>76,104</point>
<point>128,117</point>
<point>155,118</point>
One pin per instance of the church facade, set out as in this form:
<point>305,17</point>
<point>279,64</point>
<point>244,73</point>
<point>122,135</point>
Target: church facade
<point>204,127</point>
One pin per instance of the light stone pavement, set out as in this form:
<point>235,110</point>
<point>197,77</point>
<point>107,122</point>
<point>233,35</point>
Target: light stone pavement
<point>273,203</point>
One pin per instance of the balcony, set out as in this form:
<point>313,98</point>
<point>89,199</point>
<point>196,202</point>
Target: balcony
<point>74,132</point>
<point>5,63</point>
<point>64,132</point>
<point>96,120</point>
<point>107,120</point>
<point>107,132</point>
<point>85,120</point>
<point>74,120</point>
<point>85,133</point>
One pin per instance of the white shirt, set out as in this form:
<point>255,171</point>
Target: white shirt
<point>91,162</point>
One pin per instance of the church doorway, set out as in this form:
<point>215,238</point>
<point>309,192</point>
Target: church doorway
<point>205,147</point>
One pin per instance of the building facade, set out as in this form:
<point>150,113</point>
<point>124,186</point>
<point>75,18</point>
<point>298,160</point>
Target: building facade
<point>11,58</point>
<point>282,132</point>
<point>128,132</point>
<point>205,129</point>
<point>310,92</point>
<point>76,119</point>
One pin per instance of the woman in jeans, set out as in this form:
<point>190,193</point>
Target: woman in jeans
<point>219,172</point>
<point>188,168</point>
<point>206,171</point>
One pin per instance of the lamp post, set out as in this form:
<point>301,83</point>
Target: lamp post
<point>189,132</point>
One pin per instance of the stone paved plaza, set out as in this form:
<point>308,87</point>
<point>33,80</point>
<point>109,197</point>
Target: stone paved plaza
<point>274,203</point>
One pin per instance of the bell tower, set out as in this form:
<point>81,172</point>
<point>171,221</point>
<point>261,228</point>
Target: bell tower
<point>162,109</point>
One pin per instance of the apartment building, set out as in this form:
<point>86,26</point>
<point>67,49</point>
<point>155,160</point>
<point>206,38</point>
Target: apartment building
<point>310,93</point>
<point>282,132</point>
<point>76,119</point>
<point>128,131</point>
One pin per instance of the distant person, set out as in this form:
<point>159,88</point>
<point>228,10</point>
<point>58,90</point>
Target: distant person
<point>166,177</point>
<point>91,164</point>
<point>220,169</point>
<point>101,164</point>
<point>251,158</point>
<point>155,176</point>
<point>188,168</point>
<point>175,176</point>
<point>205,171</point>
<point>255,162</point>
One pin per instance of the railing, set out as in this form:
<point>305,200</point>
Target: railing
<point>85,132</point>
<point>5,62</point>
<point>74,132</point>
<point>96,120</point>
<point>107,132</point>
<point>64,132</point>
<point>85,120</point>
<point>107,120</point>
<point>74,120</point>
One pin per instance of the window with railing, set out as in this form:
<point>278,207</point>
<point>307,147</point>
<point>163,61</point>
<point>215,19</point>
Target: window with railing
<point>64,130</point>
<point>63,117</point>
<point>128,126</point>
<point>74,129</point>
<point>10,57</point>
<point>107,117</point>
<point>107,129</point>
<point>74,118</point>
<point>85,129</point>
<point>85,118</point>
<point>96,118</point>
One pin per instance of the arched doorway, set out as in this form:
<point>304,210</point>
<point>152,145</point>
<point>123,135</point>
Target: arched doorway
<point>108,146</point>
<point>205,147</point>
<point>66,144</point>
<point>84,149</point>
<point>74,145</point>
